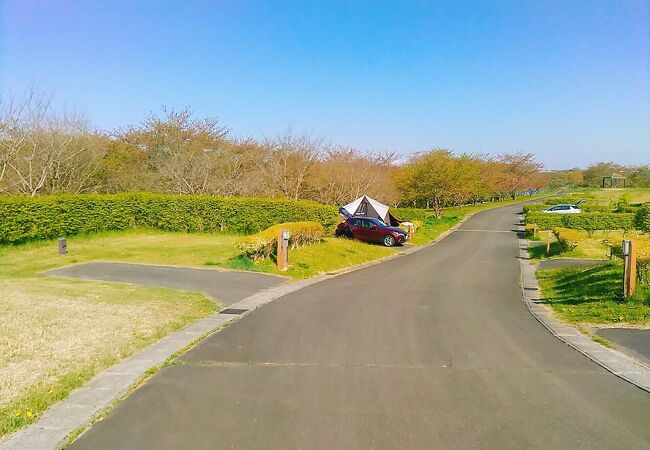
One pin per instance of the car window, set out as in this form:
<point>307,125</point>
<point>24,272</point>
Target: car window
<point>553,208</point>
<point>353,222</point>
<point>565,208</point>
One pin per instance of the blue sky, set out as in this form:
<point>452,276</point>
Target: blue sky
<point>567,80</point>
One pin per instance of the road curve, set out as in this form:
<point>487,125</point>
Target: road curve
<point>431,350</point>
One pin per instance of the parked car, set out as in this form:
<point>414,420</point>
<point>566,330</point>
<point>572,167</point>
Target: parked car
<point>563,209</point>
<point>368,229</point>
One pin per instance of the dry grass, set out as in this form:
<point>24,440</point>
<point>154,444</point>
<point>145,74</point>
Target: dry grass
<point>57,333</point>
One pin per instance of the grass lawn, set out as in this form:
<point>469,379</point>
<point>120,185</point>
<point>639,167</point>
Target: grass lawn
<point>594,246</point>
<point>610,197</point>
<point>593,295</point>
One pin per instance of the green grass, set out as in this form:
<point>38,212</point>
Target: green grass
<point>590,246</point>
<point>593,295</point>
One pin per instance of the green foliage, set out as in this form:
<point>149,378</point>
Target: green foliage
<point>264,243</point>
<point>46,217</point>
<point>534,207</point>
<point>561,200</point>
<point>411,214</point>
<point>593,295</point>
<point>642,218</point>
<point>583,221</point>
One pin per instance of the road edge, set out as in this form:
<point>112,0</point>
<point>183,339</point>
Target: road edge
<point>612,360</point>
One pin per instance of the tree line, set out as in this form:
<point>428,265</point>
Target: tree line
<point>45,151</point>
<point>592,176</point>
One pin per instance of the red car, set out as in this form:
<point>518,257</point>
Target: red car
<point>369,229</point>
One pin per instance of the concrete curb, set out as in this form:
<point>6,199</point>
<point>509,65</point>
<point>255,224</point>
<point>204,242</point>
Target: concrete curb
<point>84,404</point>
<point>616,362</point>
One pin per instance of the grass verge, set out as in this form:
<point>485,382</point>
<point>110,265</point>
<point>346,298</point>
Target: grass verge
<point>593,295</point>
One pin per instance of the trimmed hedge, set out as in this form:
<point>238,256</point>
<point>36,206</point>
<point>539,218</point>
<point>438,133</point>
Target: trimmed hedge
<point>582,221</point>
<point>264,243</point>
<point>46,217</point>
<point>642,218</point>
<point>534,207</point>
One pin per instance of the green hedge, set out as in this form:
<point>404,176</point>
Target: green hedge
<point>583,221</point>
<point>642,218</point>
<point>534,207</point>
<point>46,217</point>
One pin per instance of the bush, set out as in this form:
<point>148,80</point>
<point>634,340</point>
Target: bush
<point>568,238</point>
<point>582,221</point>
<point>561,200</point>
<point>46,217</point>
<point>264,243</point>
<point>534,207</point>
<point>642,218</point>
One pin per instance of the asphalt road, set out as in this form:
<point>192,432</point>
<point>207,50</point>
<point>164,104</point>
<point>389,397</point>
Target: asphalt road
<point>225,286</point>
<point>635,343</point>
<point>432,350</point>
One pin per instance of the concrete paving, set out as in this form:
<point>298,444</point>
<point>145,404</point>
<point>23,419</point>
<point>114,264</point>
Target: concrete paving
<point>430,350</point>
<point>636,343</point>
<point>226,287</point>
<point>560,263</point>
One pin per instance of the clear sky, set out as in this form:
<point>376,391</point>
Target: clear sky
<point>567,80</point>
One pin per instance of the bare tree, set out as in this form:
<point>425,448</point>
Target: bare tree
<point>42,150</point>
<point>344,174</point>
<point>188,155</point>
<point>287,164</point>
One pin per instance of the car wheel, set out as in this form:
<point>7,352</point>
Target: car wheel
<point>388,240</point>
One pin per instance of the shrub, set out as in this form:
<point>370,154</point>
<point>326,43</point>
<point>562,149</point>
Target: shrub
<point>264,243</point>
<point>568,238</point>
<point>561,200</point>
<point>642,218</point>
<point>584,221</point>
<point>534,207</point>
<point>46,217</point>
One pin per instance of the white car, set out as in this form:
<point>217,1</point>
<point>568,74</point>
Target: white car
<point>563,209</point>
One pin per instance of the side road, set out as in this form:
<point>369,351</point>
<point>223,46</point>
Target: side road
<point>432,350</point>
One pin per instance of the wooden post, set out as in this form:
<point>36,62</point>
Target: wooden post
<point>63,246</point>
<point>629,268</point>
<point>283,250</point>
<point>411,231</point>
<point>632,271</point>
<point>548,243</point>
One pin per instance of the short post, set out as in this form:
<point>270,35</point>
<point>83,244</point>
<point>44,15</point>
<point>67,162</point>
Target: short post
<point>548,243</point>
<point>283,250</point>
<point>411,231</point>
<point>63,246</point>
<point>629,268</point>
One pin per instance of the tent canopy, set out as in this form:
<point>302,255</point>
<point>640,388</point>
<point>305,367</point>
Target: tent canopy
<point>369,207</point>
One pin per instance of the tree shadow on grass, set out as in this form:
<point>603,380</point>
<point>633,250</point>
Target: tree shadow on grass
<point>585,285</point>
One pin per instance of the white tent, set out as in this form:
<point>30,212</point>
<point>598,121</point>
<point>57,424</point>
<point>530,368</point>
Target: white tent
<point>369,207</point>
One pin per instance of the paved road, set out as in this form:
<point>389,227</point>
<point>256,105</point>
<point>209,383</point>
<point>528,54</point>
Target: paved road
<point>432,350</point>
<point>225,286</point>
<point>633,342</point>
